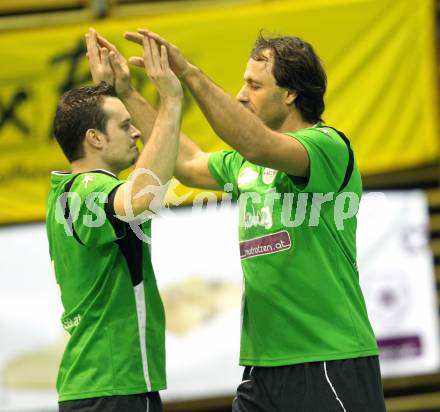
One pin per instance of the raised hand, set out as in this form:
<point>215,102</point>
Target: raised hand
<point>158,69</point>
<point>177,61</point>
<point>98,57</point>
<point>107,63</point>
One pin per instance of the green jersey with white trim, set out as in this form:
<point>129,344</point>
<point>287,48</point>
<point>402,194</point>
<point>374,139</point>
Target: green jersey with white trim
<point>302,298</point>
<point>112,307</point>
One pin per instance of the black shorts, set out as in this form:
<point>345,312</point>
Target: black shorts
<point>145,402</point>
<point>351,385</point>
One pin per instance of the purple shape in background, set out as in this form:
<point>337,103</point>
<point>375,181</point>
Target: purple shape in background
<point>400,347</point>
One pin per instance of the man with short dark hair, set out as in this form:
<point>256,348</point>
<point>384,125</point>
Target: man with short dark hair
<point>115,357</point>
<point>306,342</point>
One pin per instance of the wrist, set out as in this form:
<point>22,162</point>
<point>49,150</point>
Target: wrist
<point>126,92</point>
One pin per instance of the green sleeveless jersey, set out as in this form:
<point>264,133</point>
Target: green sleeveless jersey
<point>112,307</point>
<point>302,299</point>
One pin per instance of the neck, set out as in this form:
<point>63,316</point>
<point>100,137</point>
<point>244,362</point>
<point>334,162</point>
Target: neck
<point>293,123</point>
<point>86,165</point>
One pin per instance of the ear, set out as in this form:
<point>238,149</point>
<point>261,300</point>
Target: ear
<point>290,97</point>
<point>94,138</point>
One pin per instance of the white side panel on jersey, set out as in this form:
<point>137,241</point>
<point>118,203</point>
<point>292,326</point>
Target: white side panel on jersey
<point>139,294</point>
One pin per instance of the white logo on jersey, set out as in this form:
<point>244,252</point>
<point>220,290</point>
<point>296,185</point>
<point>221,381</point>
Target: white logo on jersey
<point>269,175</point>
<point>87,179</point>
<point>70,323</point>
<point>263,217</point>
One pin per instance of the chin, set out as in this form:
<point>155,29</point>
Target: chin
<point>128,164</point>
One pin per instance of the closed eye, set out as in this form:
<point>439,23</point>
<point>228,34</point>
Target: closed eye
<point>253,85</point>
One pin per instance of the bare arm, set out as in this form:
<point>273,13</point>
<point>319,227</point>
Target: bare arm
<point>238,127</point>
<point>192,163</point>
<point>245,131</point>
<point>155,165</point>
<point>192,166</point>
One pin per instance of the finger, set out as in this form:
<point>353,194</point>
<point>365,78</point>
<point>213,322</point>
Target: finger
<point>92,47</point>
<point>164,58</point>
<point>154,36</point>
<point>104,58</point>
<point>136,61</point>
<point>115,63</point>
<point>148,59</point>
<point>103,42</point>
<point>134,37</point>
<point>143,32</point>
<point>155,55</point>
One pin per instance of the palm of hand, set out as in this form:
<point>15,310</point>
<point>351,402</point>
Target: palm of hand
<point>166,82</point>
<point>173,86</point>
<point>102,73</point>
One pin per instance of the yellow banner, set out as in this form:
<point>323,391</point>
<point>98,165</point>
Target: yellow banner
<point>379,56</point>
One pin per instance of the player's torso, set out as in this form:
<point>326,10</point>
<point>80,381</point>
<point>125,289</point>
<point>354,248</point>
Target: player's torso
<point>293,257</point>
<point>102,310</point>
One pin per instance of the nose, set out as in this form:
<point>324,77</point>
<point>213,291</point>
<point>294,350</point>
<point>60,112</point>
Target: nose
<point>242,95</point>
<point>135,133</point>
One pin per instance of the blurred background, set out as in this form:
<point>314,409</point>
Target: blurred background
<point>381,58</point>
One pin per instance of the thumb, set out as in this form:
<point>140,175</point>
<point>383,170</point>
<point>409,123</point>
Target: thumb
<point>136,61</point>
